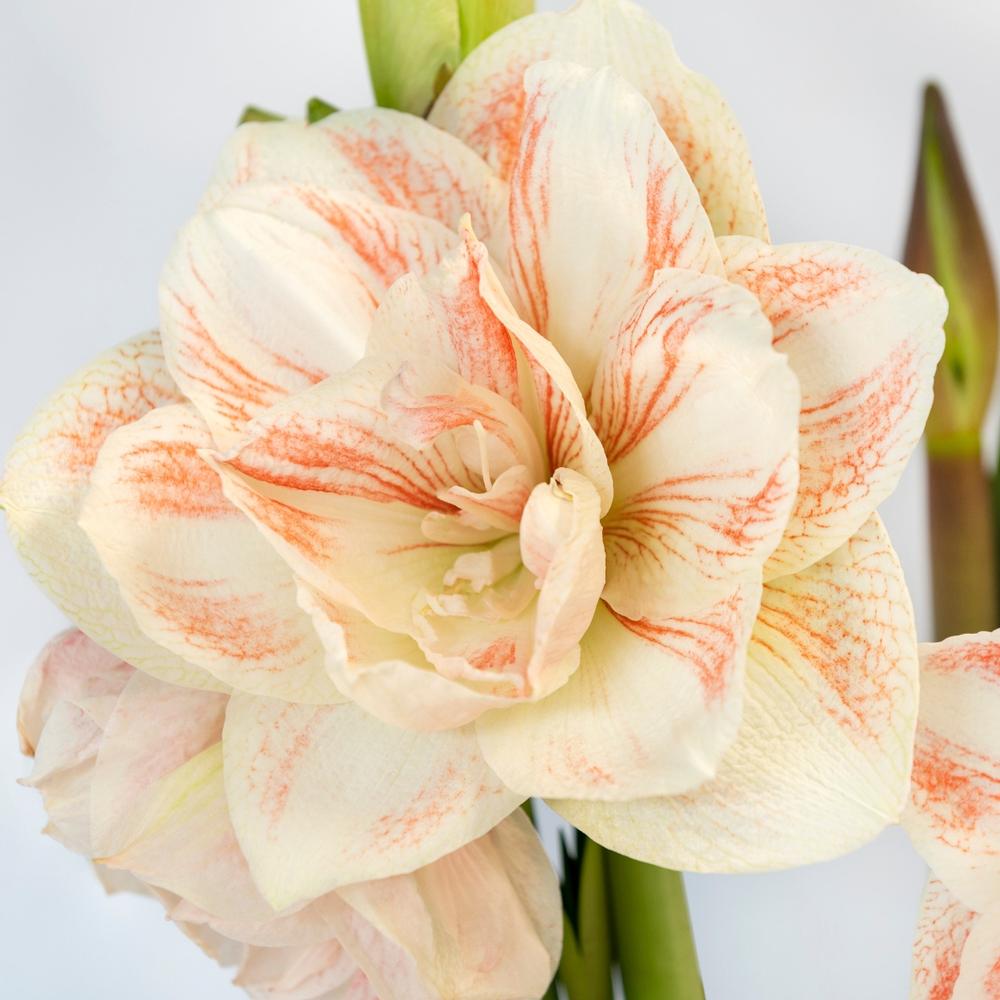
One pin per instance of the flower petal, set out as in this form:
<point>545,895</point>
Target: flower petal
<point>321,797</point>
<point>698,415</point>
<point>484,102</point>
<point>72,668</point>
<point>46,478</point>
<point>980,975</point>
<point>323,971</point>
<point>395,159</point>
<point>863,334</point>
<point>821,762</point>
<point>461,947</point>
<point>953,817</point>
<point>599,202</point>
<point>942,931</point>
<point>194,571</point>
<point>649,711</point>
<point>274,288</point>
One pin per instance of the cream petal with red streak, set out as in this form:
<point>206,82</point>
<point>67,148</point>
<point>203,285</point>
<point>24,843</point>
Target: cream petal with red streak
<point>480,923</point>
<point>194,571</point>
<point>863,334</point>
<point>484,102</point>
<point>599,202</point>
<point>979,978</point>
<point>322,797</point>
<point>389,676</point>
<point>392,158</point>
<point>651,709</point>
<point>942,931</point>
<point>699,419</point>
<point>821,762</point>
<point>71,668</point>
<point>274,288</point>
<point>953,817</point>
<point>44,483</point>
<point>323,971</point>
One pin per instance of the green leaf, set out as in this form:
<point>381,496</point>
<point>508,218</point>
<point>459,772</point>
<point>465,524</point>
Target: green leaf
<point>317,109</point>
<point>947,241</point>
<point>412,47</point>
<point>652,930</point>
<point>585,966</point>
<point>251,113</point>
<point>478,19</point>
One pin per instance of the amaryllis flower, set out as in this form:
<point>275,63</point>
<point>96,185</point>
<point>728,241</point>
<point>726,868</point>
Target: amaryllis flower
<point>131,772</point>
<point>511,439</point>
<point>953,819</point>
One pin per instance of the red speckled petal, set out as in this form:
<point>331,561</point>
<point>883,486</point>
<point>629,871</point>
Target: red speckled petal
<point>699,419</point>
<point>942,931</point>
<point>480,923</point>
<point>979,978</point>
<point>599,202</point>
<point>323,797</point>
<point>274,288</point>
<point>821,762</point>
<point>863,334</point>
<point>484,102</point>
<point>392,158</point>
<point>44,483</point>
<point>649,711</point>
<point>194,571</point>
<point>954,815</point>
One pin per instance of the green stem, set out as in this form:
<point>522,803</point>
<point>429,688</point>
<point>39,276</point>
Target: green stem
<point>585,966</point>
<point>653,936</point>
<point>962,547</point>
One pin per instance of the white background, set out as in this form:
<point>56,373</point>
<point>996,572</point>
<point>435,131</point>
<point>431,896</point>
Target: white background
<point>112,112</point>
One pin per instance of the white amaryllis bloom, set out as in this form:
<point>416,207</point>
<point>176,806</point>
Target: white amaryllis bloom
<point>953,819</point>
<point>573,498</point>
<point>131,771</point>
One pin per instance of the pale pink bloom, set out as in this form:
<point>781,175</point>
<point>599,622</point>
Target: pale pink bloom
<point>131,772</point>
<point>953,819</point>
<point>503,455</point>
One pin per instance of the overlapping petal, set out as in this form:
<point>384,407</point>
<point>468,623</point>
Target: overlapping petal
<point>698,417</point>
<point>953,817</point>
<point>193,570</point>
<point>599,202</point>
<point>821,762</point>
<point>942,932</point>
<point>484,102</point>
<point>863,334</point>
<point>273,288</point>
<point>651,709</point>
<point>325,796</point>
<point>46,479</point>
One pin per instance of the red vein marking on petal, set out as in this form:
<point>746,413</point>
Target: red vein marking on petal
<point>170,478</point>
<point>707,643</point>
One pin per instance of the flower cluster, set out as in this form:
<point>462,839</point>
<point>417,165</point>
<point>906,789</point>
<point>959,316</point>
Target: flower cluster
<point>491,456</point>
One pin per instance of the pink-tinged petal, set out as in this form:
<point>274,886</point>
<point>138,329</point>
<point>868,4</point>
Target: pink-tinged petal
<point>392,158</point>
<point>72,668</point>
<point>954,814</point>
<point>44,483</point>
<point>942,931</point>
<point>274,288</point>
<point>192,568</point>
<point>323,971</point>
<point>389,675</point>
<point>484,102</point>
<point>482,923</point>
<point>863,334</point>
<point>650,710</point>
<point>154,729</point>
<point>821,762</point>
<point>322,797</point>
<point>599,202</point>
<point>979,978</point>
<point>698,415</point>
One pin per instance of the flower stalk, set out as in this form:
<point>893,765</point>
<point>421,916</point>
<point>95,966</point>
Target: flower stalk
<point>653,938</point>
<point>946,240</point>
